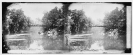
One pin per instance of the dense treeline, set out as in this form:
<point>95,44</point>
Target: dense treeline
<point>16,21</point>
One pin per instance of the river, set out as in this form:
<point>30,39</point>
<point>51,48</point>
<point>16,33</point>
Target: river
<point>40,41</point>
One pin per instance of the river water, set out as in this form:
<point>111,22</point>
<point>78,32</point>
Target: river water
<point>40,42</point>
<point>97,32</point>
<point>43,42</point>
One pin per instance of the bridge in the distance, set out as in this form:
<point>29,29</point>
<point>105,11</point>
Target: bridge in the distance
<point>90,26</point>
<point>36,25</point>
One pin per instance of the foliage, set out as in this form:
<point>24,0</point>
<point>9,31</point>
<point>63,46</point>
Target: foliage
<point>81,22</point>
<point>57,19</point>
<point>16,21</point>
<point>53,19</point>
<point>116,20</point>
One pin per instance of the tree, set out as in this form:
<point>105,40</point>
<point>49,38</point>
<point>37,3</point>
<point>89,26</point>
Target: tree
<point>81,24</point>
<point>54,19</point>
<point>116,20</point>
<point>16,21</point>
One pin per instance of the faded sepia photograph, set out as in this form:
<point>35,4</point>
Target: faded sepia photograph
<point>66,27</point>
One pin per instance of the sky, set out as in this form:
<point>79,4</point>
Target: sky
<point>96,11</point>
<point>35,10</point>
